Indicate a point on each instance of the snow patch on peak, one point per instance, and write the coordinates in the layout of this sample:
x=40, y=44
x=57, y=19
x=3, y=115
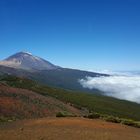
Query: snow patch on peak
x=37, y=58
x=26, y=52
x=25, y=60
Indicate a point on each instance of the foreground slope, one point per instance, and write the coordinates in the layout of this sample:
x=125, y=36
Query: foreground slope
x=67, y=129
x=17, y=103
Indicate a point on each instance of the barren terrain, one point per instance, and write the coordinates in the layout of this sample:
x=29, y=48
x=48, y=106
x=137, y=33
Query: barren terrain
x=67, y=129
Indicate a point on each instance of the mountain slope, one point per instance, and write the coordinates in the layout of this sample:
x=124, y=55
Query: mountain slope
x=27, y=61
x=29, y=66
x=92, y=102
x=22, y=103
x=64, y=78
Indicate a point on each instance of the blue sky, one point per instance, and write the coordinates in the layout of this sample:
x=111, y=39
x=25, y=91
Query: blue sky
x=83, y=34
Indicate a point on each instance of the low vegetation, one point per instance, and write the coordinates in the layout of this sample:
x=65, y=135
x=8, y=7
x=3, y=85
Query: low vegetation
x=86, y=102
x=6, y=119
x=107, y=118
x=24, y=104
x=113, y=119
x=65, y=114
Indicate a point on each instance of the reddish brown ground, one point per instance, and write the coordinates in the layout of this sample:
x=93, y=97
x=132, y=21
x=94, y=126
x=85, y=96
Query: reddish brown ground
x=67, y=129
x=22, y=103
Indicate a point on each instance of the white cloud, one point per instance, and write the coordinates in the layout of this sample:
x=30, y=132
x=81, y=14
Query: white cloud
x=117, y=73
x=122, y=87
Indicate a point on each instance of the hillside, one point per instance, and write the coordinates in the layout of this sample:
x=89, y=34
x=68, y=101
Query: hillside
x=62, y=78
x=92, y=102
x=17, y=103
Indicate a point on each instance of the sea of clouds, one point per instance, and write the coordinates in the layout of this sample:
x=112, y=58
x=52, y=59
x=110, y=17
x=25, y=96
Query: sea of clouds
x=122, y=86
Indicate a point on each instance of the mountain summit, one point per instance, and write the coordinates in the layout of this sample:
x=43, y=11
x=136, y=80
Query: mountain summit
x=25, y=60
x=24, y=64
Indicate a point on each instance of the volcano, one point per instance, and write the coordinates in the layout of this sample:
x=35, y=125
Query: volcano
x=27, y=61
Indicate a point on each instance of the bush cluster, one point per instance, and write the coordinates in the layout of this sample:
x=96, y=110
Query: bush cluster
x=60, y=114
x=65, y=114
x=130, y=123
x=114, y=119
x=6, y=119
x=111, y=119
x=93, y=116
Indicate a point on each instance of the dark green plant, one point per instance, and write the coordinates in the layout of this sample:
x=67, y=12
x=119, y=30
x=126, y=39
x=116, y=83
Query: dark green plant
x=93, y=116
x=130, y=123
x=60, y=114
x=111, y=119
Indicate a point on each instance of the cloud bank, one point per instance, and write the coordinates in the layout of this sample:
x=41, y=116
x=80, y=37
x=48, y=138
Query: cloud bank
x=122, y=87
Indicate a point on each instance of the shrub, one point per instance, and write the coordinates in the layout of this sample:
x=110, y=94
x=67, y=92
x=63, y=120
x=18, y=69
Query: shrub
x=3, y=119
x=130, y=123
x=137, y=124
x=60, y=114
x=65, y=114
x=94, y=116
x=127, y=122
x=6, y=119
x=112, y=119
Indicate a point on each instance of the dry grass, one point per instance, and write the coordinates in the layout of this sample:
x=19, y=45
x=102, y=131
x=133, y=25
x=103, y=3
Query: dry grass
x=22, y=103
x=67, y=129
